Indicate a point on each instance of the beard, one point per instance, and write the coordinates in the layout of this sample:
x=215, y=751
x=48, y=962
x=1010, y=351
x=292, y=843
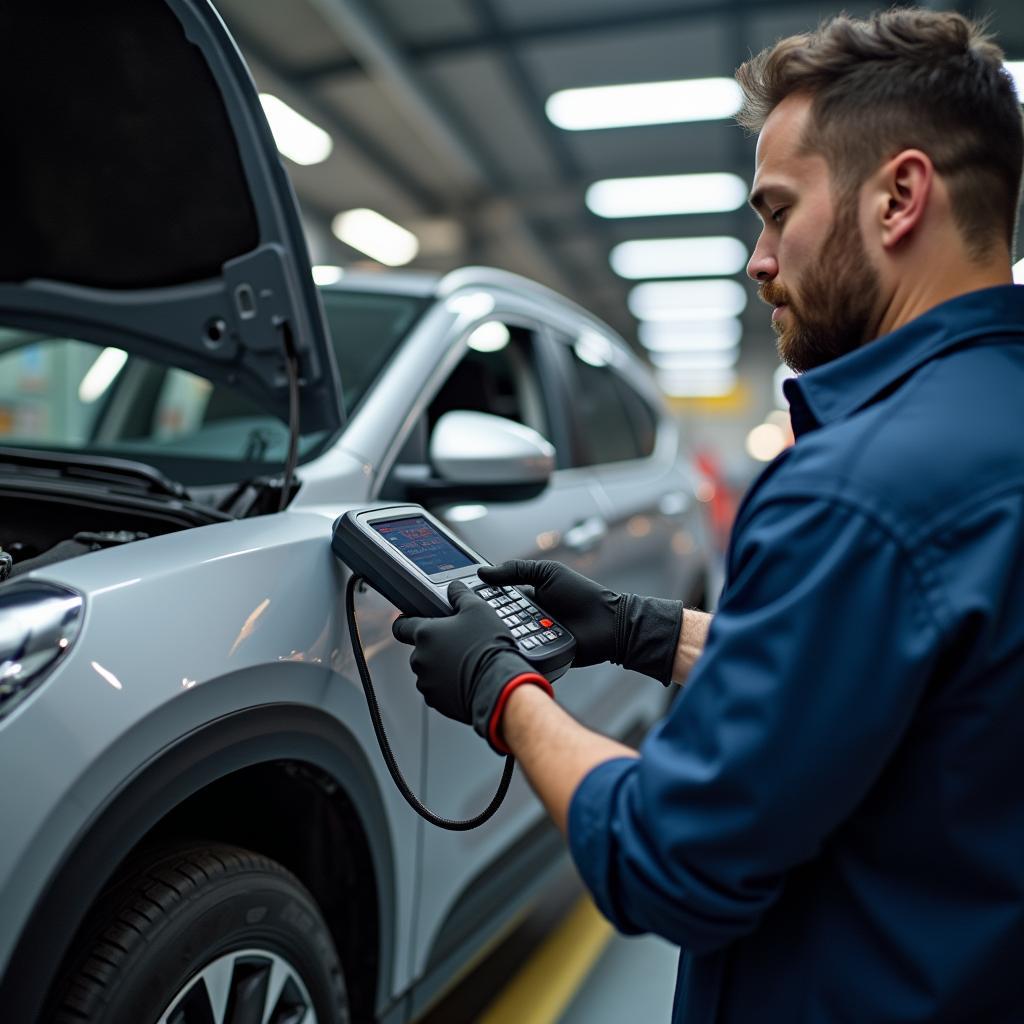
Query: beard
x=839, y=299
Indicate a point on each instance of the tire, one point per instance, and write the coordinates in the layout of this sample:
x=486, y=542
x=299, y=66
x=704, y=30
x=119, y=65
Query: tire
x=205, y=935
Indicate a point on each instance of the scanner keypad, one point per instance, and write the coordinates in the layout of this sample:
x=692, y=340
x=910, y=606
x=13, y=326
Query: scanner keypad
x=528, y=624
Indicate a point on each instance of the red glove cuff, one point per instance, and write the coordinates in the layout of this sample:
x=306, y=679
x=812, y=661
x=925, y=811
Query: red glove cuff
x=534, y=679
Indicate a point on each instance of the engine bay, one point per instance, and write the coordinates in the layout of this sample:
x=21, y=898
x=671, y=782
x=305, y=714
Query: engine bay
x=39, y=530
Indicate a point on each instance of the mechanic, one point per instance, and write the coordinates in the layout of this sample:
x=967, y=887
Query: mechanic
x=830, y=821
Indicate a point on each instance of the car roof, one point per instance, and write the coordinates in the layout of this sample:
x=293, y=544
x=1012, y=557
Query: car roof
x=425, y=284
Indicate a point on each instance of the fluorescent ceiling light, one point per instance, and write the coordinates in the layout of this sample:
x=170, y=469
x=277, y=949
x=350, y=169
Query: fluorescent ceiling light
x=766, y=441
x=713, y=256
x=618, y=106
x=683, y=362
x=690, y=335
x=375, y=235
x=296, y=136
x=781, y=375
x=323, y=274
x=1018, y=272
x=666, y=194
x=713, y=384
x=101, y=374
x=489, y=337
x=687, y=300
x=1016, y=69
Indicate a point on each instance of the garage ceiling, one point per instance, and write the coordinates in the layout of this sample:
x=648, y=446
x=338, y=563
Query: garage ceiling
x=436, y=109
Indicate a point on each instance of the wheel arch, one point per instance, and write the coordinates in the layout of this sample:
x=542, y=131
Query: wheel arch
x=311, y=763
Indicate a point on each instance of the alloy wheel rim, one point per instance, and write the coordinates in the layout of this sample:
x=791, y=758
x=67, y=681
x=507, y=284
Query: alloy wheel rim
x=245, y=985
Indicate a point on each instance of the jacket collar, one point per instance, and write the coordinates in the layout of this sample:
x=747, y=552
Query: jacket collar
x=837, y=389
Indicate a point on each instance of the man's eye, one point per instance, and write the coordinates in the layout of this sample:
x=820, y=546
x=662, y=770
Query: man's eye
x=777, y=214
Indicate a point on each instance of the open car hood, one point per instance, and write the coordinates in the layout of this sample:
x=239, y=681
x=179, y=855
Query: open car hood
x=144, y=202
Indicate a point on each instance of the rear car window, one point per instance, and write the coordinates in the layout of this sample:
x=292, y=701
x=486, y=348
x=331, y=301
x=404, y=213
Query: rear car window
x=616, y=423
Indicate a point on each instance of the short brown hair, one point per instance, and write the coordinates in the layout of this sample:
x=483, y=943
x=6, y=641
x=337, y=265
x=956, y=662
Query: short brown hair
x=904, y=79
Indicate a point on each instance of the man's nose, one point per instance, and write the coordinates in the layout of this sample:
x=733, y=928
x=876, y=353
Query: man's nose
x=762, y=266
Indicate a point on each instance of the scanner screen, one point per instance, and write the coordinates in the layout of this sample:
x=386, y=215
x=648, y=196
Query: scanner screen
x=420, y=542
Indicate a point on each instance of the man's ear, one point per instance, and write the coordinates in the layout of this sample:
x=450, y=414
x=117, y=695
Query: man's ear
x=905, y=189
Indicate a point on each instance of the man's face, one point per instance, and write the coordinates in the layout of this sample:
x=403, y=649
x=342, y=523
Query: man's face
x=810, y=259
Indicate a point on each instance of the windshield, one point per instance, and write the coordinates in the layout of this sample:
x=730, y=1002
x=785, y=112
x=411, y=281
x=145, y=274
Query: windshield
x=67, y=394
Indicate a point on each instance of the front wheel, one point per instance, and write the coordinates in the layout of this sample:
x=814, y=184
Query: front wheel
x=206, y=935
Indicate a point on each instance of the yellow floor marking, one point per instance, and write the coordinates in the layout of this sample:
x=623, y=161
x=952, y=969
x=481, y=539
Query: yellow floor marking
x=547, y=982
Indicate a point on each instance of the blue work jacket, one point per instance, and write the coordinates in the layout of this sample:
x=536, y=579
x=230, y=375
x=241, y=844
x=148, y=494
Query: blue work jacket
x=830, y=821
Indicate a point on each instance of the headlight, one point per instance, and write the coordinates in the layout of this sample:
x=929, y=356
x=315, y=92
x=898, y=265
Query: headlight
x=38, y=624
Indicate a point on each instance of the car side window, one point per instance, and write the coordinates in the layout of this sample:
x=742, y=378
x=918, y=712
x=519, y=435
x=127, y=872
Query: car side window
x=616, y=423
x=497, y=375
x=643, y=418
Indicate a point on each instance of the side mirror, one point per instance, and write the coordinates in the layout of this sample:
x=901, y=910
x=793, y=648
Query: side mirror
x=475, y=447
x=477, y=456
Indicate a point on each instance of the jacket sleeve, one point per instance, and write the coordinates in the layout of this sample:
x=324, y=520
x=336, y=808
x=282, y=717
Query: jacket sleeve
x=813, y=667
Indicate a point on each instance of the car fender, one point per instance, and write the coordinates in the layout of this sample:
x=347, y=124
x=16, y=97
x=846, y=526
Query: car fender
x=181, y=631
x=240, y=739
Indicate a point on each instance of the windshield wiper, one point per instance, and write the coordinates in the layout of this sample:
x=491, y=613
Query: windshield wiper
x=95, y=468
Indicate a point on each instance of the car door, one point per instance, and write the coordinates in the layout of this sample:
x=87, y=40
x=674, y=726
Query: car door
x=630, y=448
x=518, y=381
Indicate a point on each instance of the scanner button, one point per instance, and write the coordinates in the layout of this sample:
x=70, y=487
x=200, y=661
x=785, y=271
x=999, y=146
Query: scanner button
x=549, y=635
x=546, y=623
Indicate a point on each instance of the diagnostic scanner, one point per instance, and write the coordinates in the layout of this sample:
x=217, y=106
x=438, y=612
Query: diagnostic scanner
x=410, y=557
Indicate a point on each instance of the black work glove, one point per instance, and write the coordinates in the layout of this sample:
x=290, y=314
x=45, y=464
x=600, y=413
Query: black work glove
x=639, y=633
x=467, y=664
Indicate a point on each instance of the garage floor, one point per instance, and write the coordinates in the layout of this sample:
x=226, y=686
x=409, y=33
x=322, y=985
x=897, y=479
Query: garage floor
x=564, y=964
x=634, y=979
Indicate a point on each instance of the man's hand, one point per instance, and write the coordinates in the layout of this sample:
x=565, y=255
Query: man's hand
x=585, y=608
x=639, y=633
x=467, y=664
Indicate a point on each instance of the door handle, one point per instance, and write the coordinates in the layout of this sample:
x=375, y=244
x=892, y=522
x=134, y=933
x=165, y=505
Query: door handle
x=585, y=535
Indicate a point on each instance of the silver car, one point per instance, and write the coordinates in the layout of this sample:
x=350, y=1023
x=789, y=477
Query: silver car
x=197, y=825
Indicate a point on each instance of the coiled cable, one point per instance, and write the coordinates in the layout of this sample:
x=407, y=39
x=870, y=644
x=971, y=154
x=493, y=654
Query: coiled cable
x=452, y=824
